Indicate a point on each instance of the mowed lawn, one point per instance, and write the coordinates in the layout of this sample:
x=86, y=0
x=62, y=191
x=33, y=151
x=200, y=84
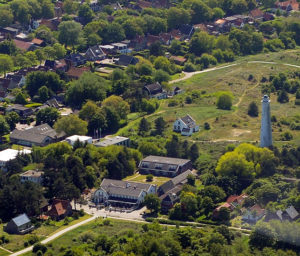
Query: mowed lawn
x=16, y=242
x=3, y=252
x=142, y=178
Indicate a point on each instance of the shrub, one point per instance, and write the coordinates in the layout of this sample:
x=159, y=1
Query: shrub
x=173, y=103
x=273, y=119
x=32, y=239
x=149, y=178
x=206, y=126
x=188, y=100
x=286, y=136
x=189, y=67
x=283, y=97
x=253, y=109
x=106, y=222
x=39, y=247
x=224, y=101
x=297, y=102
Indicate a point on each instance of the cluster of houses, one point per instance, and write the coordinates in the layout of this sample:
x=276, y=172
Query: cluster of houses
x=131, y=194
x=255, y=212
x=58, y=209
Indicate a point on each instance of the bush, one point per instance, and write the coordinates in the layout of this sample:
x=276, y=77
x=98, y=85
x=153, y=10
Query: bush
x=283, y=97
x=173, y=103
x=149, y=178
x=253, y=109
x=188, y=100
x=39, y=247
x=106, y=222
x=286, y=136
x=206, y=126
x=224, y=101
x=32, y=239
x=297, y=102
x=273, y=119
x=189, y=67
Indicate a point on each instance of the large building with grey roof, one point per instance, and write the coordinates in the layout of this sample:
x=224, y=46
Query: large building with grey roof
x=164, y=166
x=122, y=193
x=19, y=225
x=40, y=135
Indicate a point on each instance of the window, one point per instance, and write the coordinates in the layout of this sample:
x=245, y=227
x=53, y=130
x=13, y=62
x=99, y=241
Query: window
x=172, y=167
x=158, y=166
x=145, y=164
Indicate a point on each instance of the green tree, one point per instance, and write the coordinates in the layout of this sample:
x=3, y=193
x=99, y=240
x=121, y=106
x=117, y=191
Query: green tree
x=43, y=93
x=4, y=127
x=35, y=80
x=59, y=51
x=118, y=104
x=144, y=126
x=6, y=64
x=88, y=110
x=224, y=101
x=200, y=11
x=283, y=97
x=160, y=125
x=112, y=32
x=21, y=11
x=12, y=118
x=194, y=152
x=201, y=43
x=20, y=98
x=161, y=76
x=85, y=13
x=253, y=109
x=69, y=33
x=47, y=115
x=149, y=148
x=71, y=125
x=176, y=17
x=152, y=202
x=235, y=164
x=6, y=16
x=88, y=87
x=47, y=11
x=263, y=236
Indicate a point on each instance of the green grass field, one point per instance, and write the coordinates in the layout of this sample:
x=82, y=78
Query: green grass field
x=95, y=228
x=234, y=125
x=142, y=178
x=3, y=252
x=16, y=242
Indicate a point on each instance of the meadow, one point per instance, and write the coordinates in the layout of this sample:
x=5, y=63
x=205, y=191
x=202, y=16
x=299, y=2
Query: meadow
x=236, y=125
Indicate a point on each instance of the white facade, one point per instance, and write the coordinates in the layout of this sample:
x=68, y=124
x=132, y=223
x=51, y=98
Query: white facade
x=83, y=139
x=266, y=126
x=186, y=129
x=33, y=176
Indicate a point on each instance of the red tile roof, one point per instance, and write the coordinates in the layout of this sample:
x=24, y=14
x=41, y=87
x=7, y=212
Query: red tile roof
x=257, y=13
x=77, y=72
x=37, y=41
x=24, y=46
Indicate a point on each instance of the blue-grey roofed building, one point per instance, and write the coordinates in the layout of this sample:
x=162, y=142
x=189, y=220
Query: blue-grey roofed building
x=19, y=225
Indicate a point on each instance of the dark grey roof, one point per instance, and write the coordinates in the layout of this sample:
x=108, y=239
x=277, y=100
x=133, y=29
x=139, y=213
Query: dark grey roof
x=21, y=219
x=179, y=179
x=186, y=29
x=52, y=103
x=94, y=52
x=120, y=187
x=188, y=120
x=165, y=160
x=35, y=134
x=125, y=60
x=17, y=107
x=153, y=88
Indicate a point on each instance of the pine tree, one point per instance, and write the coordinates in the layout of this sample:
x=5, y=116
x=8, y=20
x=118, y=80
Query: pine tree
x=253, y=109
x=194, y=152
x=144, y=126
x=160, y=125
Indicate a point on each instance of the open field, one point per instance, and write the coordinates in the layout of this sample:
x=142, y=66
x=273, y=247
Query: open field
x=142, y=178
x=16, y=242
x=234, y=125
x=95, y=228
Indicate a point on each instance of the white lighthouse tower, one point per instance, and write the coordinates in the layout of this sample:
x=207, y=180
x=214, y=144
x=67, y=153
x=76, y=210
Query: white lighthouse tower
x=266, y=127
